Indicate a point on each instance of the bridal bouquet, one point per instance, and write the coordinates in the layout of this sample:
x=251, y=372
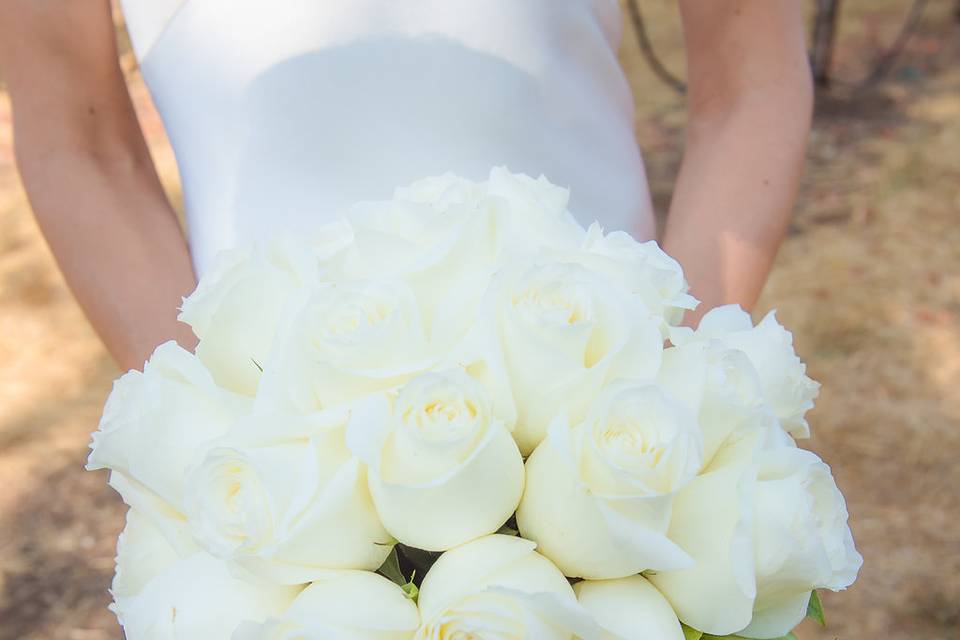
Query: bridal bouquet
x=458, y=414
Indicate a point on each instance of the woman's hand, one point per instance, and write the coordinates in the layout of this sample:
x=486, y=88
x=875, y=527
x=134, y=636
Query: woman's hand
x=750, y=103
x=89, y=176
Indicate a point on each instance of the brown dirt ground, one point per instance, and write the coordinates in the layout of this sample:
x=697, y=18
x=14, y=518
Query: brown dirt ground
x=869, y=280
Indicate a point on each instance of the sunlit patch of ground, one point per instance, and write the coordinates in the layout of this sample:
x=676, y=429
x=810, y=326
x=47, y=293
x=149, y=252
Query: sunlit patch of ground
x=869, y=280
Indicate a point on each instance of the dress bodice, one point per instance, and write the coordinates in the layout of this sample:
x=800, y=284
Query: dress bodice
x=283, y=113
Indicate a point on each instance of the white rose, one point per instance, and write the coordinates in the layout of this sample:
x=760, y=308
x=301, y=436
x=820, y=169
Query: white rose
x=565, y=332
x=396, y=238
x=289, y=507
x=153, y=424
x=786, y=387
x=328, y=242
x=237, y=307
x=531, y=197
x=443, y=193
x=629, y=609
x=531, y=213
x=442, y=469
x=514, y=211
x=347, y=605
x=445, y=255
x=537, y=211
x=801, y=537
x=197, y=597
x=719, y=384
x=499, y=587
x=641, y=268
x=765, y=530
x=711, y=521
x=160, y=594
x=598, y=497
x=348, y=340
x=142, y=553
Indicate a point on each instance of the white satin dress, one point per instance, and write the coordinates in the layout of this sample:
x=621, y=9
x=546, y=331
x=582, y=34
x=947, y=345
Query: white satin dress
x=282, y=113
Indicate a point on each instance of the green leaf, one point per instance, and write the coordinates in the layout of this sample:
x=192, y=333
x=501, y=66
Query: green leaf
x=410, y=589
x=390, y=568
x=689, y=633
x=815, y=609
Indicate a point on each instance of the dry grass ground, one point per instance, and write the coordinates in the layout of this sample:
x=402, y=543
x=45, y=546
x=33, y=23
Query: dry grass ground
x=869, y=279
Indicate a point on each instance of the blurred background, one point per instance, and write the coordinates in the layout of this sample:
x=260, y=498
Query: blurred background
x=868, y=279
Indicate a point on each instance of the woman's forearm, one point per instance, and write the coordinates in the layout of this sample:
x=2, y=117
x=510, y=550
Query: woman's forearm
x=750, y=100
x=89, y=176
x=119, y=246
x=734, y=197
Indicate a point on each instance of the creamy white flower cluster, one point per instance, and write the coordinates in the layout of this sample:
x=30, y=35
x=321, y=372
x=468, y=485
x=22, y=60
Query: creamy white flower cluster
x=431, y=366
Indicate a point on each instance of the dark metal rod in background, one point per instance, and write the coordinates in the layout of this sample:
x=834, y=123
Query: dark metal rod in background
x=646, y=47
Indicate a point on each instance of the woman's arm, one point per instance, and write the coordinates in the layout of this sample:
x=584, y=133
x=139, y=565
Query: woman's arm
x=750, y=102
x=89, y=176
